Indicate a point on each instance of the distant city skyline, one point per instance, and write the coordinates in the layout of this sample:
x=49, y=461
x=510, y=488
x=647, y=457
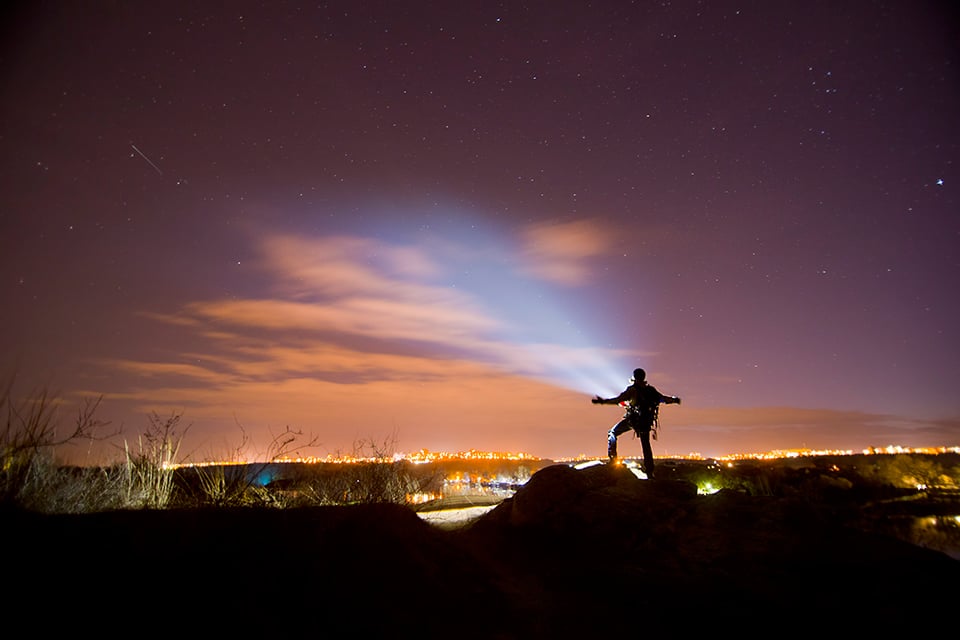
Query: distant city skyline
x=492, y=456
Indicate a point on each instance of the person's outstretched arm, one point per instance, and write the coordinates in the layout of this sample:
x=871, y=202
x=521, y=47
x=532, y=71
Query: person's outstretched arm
x=620, y=398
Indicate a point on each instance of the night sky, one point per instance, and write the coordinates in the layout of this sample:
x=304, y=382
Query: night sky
x=448, y=225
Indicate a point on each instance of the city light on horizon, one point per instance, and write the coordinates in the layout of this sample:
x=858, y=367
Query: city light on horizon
x=426, y=457
x=472, y=475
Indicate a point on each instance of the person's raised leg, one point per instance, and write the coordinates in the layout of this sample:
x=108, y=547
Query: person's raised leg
x=612, y=445
x=612, y=435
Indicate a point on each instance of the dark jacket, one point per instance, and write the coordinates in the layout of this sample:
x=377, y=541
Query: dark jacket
x=642, y=402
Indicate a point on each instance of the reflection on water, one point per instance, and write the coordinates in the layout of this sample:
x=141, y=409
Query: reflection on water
x=941, y=533
x=489, y=482
x=486, y=492
x=937, y=532
x=493, y=489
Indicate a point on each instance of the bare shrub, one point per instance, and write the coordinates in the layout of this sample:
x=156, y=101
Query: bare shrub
x=227, y=485
x=52, y=488
x=29, y=436
x=378, y=478
x=239, y=485
x=149, y=471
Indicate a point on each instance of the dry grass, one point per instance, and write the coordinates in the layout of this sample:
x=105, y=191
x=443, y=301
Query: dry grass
x=147, y=477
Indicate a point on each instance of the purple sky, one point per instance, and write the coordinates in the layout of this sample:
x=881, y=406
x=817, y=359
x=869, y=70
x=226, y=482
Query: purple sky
x=450, y=224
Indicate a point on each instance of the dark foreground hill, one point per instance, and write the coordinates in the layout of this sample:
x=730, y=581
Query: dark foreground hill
x=575, y=553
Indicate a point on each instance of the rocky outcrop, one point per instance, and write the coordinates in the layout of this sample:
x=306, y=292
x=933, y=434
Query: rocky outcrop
x=617, y=553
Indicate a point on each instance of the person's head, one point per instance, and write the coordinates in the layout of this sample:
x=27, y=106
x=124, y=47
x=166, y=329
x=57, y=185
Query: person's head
x=639, y=375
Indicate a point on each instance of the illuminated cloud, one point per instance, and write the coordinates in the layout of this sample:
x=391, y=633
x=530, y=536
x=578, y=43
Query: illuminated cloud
x=561, y=252
x=348, y=322
x=382, y=319
x=346, y=266
x=371, y=297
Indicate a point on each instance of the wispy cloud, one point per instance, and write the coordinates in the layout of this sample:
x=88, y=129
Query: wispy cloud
x=346, y=266
x=346, y=300
x=383, y=319
x=561, y=252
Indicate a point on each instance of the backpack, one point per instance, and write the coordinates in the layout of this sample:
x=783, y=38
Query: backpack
x=644, y=410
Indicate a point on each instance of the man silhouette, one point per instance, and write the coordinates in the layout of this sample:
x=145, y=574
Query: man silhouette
x=642, y=402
